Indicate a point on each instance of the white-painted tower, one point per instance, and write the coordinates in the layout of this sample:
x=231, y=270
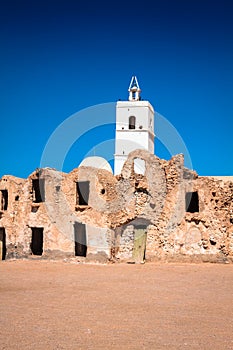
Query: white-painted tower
x=134, y=127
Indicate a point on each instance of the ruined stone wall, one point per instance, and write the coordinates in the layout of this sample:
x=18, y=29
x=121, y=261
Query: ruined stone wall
x=117, y=205
x=12, y=214
x=204, y=235
x=173, y=233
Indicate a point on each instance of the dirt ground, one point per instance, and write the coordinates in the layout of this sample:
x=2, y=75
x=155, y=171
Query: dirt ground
x=61, y=305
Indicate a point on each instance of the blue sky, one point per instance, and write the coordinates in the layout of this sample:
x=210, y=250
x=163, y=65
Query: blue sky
x=59, y=57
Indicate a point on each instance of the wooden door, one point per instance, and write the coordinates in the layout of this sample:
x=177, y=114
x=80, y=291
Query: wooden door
x=139, y=248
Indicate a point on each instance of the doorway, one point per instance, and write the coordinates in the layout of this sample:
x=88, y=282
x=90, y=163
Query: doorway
x=2, y=243
x=37, y=240
x=139, y=248
x=80, y=239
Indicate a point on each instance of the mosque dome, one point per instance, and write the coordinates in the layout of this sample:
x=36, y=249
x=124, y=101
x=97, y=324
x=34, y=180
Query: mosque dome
x=96, y=162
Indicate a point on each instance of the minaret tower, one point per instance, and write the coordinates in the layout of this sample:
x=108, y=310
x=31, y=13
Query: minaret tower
x=134, y=127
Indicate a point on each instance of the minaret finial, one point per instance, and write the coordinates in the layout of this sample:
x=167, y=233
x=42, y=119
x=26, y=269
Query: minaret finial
x=134, y=89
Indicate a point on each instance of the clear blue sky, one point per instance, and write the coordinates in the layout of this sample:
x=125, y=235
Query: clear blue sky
x=60, y=56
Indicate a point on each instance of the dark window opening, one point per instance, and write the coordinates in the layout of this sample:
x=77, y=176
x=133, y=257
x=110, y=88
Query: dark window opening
x=37, y=240
x=38, y=190
x=192, y=202
x=34, y=208
x=2, y=243
x=16, y=198
x=212, y=242
x=80, y=239
x=141, y=190
x=132, y=122
x=3, y=199
x=83, y=189
x=102, y=191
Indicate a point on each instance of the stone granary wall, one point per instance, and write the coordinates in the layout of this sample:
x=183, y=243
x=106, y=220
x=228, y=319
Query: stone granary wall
x=166, y=212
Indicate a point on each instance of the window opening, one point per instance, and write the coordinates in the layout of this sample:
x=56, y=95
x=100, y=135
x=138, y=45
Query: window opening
x=139, y=166
x=83, y=189
x=192, y=202
x=132, y=122
x=3, y=199
x=38, y=190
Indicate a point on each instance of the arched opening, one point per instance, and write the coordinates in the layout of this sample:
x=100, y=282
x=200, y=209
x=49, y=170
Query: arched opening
x=132, y=122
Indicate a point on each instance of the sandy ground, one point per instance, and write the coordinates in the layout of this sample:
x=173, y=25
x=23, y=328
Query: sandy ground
x=58, y=305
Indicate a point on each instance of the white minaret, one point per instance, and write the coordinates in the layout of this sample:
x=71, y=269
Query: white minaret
x=134, y=127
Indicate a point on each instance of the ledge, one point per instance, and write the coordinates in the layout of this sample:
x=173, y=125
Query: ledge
x=81, y=207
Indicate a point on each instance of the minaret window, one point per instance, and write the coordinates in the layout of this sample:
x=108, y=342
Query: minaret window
x=132, y=122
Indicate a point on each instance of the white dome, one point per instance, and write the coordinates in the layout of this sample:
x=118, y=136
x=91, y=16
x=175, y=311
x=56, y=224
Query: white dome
x=96, y=162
